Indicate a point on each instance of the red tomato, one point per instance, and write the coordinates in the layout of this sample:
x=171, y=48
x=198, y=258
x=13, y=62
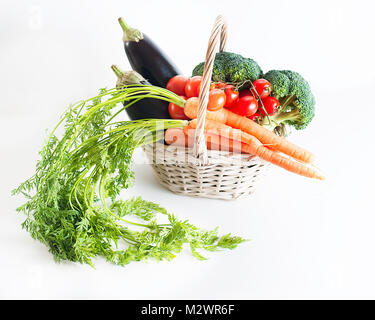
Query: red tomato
x=216, y=100
x=245, y=106
x=212, y=86
x=176, y=112
x=255, y=116
x=192, y=85
x=231, y=95
x=219, y=85
x=271, y=105
x=245, y=92
x=261, y=88
x=177, y=84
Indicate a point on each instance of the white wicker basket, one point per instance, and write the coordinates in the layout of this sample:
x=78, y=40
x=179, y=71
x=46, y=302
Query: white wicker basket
x=200, y=172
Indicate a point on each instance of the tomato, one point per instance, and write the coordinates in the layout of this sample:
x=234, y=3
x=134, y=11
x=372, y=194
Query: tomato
x=271, y=105
x=212, y=86
x=192, y=85
x=255, y=116
x=176, y=112
x=177, y=84
x=219, y=85
x=216, y=99
x=245, y=106
x=231, y=95
x=261, y=88
x=244, y=93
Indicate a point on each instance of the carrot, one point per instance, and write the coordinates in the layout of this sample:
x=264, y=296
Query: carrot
x=223, y=130
x=180, y=138
x=176, y=137
x=252, y=145
x=215, y=141
x=265, y=136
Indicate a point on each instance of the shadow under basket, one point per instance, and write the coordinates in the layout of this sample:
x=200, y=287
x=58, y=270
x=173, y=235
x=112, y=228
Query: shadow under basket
x=226, y=175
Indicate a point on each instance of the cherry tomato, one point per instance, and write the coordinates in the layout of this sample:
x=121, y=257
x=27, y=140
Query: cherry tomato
x=216, y=99
x=176, y=112
x=261, y=88
x=177, y=84
x=245, y=106
x=212, y=86
x=231, y=95
x=271, y=105
x=255, y=116
x=192, y=85
x=219, y=85
x=245, y=92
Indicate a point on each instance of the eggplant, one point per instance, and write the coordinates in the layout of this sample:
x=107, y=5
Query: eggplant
x=146, y=58
x=146, y=108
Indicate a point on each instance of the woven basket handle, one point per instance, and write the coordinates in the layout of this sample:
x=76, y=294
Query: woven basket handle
x=219, y=32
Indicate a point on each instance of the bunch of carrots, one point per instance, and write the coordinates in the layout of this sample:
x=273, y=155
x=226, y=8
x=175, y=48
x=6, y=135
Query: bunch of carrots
x=226, y=130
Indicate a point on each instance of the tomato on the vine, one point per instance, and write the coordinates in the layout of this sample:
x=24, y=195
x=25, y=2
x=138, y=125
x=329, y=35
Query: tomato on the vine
x=219, y=85
x=176, y=112
x=177, y=84
x=192, y=86
x=271, y=105
x=212, y=86
x=255, y=116
x=216, y=99
x=245, y=92
x=231, y=95
x=217, y=89
x=245, y=106
x=261, y=88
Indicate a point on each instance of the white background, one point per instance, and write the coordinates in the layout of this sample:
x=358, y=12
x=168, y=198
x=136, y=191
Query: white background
x=310, y=239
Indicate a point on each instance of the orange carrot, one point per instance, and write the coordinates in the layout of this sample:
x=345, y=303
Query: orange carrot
x=176, y=137
x=252, y=145
x=216, y=142
x=264, y=135
x=180, y=138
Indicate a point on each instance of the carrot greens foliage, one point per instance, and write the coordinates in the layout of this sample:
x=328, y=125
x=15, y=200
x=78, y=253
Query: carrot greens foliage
x=73, y=204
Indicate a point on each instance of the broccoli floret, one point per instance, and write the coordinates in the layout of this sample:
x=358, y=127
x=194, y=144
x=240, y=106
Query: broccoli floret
x=279, y=81
x=297, y=84
x=297, y=106
x=231, y=67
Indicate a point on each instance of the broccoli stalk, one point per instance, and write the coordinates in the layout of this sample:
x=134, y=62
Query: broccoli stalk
x=287, y=116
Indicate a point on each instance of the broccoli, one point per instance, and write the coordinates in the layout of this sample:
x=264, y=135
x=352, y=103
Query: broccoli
x=279, y=81
x=297, y=103
x=231, y=67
